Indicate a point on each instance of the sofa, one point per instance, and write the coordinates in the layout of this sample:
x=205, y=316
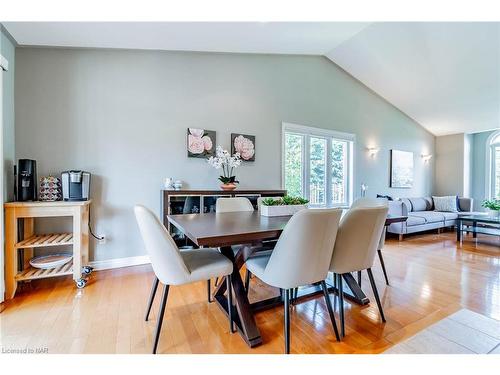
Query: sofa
x=423, y=217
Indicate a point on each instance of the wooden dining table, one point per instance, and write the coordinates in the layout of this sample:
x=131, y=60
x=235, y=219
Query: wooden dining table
x=224, y=230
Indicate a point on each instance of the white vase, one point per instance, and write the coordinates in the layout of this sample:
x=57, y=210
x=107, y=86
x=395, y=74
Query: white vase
x=493, y=213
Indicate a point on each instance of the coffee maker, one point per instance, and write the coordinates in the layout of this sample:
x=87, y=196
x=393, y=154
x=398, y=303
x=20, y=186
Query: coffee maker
x=26, y=181
x=75, y=185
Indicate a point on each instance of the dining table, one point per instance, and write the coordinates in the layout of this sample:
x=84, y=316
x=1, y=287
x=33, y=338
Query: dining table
x=252, y=232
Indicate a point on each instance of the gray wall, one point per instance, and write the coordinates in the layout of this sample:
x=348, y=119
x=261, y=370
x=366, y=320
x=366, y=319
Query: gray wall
x=123, y=116
x=7, y=49
x=450, y=165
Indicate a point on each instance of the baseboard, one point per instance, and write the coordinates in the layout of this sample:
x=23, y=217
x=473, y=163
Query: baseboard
x=119, y=262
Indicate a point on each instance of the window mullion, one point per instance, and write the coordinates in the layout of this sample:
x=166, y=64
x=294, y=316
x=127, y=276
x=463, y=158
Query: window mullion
x=328, y=172
x=306, y=166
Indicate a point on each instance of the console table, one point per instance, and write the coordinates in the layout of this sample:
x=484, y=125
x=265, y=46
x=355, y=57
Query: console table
x=175, y=202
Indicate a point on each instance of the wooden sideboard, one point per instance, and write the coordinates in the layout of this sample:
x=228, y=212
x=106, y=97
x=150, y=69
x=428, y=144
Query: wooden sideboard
x=202, y=201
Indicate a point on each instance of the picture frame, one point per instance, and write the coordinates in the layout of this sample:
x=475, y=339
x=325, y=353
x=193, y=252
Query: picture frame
x=244, y=144
x=402, y=169
x=201, y=143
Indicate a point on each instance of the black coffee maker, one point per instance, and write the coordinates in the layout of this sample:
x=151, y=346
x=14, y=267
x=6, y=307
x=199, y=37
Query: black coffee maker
x=26, y=181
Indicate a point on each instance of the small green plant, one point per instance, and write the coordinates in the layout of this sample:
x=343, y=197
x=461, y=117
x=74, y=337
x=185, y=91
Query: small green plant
x=284, y=201
x=492, y=204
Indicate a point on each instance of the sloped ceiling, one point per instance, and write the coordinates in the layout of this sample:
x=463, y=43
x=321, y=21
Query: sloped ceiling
x=446, y=76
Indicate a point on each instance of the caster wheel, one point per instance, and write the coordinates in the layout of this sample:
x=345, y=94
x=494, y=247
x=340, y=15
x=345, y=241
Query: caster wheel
x=87, y=270
x=80, y=284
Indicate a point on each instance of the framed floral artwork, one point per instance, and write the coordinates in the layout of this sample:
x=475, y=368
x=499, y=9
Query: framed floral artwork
x=200, y=143
x=244, y=144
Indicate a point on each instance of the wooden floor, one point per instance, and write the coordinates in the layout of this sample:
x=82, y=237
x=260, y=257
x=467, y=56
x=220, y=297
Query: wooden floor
x=430, y=279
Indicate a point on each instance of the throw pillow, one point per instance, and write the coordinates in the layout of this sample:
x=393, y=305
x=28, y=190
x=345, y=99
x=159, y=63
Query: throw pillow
x=445, y=204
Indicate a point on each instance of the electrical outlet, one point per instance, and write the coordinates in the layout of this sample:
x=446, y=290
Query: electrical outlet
x=103, y=240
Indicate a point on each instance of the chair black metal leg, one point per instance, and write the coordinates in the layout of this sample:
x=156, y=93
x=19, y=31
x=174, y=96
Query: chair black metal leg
x=163, y=304
x=381, y=258
x=209, y=292
x=375, y=292
x=151, y=297
x=341, y=305
x=288, y=292
x=216, y=284
x=248, y=274
x=330, y=309
x=230, y=303
x=359, y=278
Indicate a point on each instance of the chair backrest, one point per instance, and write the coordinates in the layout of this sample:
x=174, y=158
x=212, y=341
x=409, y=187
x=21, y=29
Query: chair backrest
x=163, y=252
x=304, y=249
x=359, y=236
x=233, y=205
x=370, y=202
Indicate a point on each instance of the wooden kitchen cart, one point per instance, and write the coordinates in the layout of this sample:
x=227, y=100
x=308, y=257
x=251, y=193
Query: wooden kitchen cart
x=17, y=267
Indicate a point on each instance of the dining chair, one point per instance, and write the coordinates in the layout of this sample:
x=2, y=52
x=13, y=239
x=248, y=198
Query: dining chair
x=357, y=241
x=375, y=202
x=301, y=257
x=238, y=204
x=172, y=266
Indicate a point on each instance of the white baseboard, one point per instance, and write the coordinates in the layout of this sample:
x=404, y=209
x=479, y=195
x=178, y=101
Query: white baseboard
x=119, y=262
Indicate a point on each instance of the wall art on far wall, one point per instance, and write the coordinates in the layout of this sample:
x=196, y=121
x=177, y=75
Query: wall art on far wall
x=200, y=143
x=244, y=144
x=401, y=169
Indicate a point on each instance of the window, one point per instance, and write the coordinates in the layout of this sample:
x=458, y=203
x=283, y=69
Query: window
x=318, y=164
x=494, y=165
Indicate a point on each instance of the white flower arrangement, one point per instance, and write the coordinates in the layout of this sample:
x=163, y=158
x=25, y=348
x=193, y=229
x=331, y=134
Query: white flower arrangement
x=227, y=162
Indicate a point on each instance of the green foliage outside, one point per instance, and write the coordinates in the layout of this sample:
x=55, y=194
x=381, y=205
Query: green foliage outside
x=293, y=168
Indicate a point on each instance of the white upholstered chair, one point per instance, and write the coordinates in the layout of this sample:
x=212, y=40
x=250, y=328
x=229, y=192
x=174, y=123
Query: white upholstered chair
x=374, y=202
x=357, y=241
x=238, y=204
x=301, y=257
x=174, y=267
x=233, y=205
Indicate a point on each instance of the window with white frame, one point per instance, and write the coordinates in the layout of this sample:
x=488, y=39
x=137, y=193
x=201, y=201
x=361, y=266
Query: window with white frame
x=317, y=164
x=494, y=167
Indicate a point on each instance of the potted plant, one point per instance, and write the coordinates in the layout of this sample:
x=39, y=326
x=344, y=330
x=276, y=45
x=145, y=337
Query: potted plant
x=227, y=162
x=493, y=206
x=285, y=206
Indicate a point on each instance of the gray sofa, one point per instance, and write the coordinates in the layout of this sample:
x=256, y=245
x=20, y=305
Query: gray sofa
x=422, y=216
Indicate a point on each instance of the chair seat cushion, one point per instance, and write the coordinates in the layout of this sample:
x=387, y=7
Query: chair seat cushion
x=429, y=216
x=206, y=263
x=257, y=264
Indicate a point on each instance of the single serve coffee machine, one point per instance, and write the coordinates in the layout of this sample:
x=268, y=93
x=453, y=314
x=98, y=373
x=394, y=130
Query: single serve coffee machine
x=75, y=185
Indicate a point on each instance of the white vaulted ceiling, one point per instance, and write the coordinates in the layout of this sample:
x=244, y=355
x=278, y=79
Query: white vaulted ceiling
x=310, y=38
x=446, y=76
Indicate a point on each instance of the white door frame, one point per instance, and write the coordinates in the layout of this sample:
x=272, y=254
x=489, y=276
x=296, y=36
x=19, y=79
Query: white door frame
x=4, y=66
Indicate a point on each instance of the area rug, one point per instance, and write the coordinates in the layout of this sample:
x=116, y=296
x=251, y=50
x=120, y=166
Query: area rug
x=464, y=332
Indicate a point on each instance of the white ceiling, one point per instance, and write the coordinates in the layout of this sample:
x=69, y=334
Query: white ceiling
x=446, y=76
x=310, y=38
